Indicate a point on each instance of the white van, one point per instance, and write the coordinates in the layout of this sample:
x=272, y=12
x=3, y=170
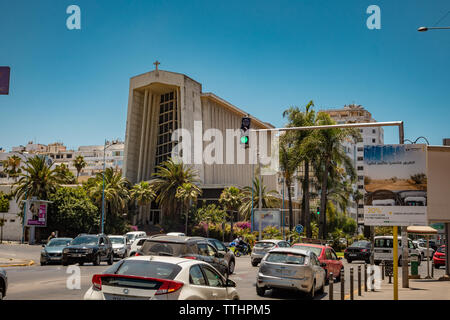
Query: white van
x=383, y=202
x=133, y=235
x=384, y=249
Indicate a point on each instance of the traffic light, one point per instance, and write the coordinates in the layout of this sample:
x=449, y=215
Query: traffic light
x=245, y=131
x=318, y=210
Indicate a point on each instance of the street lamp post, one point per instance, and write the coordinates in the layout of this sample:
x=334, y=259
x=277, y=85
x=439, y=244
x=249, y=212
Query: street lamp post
x=423, y=29
x=106, y=146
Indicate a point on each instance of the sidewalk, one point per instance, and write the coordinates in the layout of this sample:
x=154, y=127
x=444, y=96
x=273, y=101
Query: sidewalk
x=11, y=262
x=420, y=289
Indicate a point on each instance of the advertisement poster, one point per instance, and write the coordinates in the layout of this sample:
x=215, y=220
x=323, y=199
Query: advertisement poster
x=269, y=217
x=37, y=214
x=395, y=181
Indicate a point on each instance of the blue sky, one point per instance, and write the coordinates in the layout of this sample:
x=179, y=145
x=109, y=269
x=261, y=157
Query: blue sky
x=262, y=56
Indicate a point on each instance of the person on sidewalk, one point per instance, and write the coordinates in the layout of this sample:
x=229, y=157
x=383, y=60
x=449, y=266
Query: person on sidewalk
x=52, y=235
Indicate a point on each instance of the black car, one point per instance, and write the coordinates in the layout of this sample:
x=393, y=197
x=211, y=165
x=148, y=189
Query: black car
x=87, y=248
x=185, y=247
x=229, y=255
x=359, y=250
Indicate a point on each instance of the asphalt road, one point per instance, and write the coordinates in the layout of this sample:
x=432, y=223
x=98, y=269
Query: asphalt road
x=50, y=282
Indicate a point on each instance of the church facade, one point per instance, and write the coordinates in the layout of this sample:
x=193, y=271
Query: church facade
x=161, y=102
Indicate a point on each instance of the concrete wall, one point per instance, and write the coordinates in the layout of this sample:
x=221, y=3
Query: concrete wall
x=12, y=230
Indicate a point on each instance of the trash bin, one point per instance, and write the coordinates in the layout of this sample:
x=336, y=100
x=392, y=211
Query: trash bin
x=414, y=265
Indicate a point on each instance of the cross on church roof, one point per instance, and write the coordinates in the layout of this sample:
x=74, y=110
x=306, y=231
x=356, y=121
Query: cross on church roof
x=156, y=63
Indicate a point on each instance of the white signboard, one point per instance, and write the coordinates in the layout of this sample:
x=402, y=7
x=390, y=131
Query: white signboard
x=268, y=217
x=395, y=181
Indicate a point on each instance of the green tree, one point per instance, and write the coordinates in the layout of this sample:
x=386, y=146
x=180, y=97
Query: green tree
x=11, y=166
x=65, y=174
x=72, y=212
x=4, y=207
x=270, y=199
x=169, y=176
x=187, y=193
x=231, y=200
x=209, y=214
x=117, y=196
x=38, y=179
x=142, y=193
x=79, y=164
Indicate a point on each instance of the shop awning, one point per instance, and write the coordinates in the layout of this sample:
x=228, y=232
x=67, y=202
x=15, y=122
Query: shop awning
x=421, y=230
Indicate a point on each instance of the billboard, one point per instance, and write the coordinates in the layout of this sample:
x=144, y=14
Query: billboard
x=268, y=217
x=36, y=213
x=395, y=181
x=4, y=80
x=438, y=161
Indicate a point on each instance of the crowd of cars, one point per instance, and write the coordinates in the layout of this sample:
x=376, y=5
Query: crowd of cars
x=174, y=266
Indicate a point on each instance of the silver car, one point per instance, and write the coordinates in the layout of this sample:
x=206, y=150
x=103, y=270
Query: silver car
x=262, y=247
x=121, y=246
x=291, y=269
x=3, y=283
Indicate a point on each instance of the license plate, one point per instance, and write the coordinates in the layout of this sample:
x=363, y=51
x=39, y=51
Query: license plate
x=76, y=255
x=352, y=254
x=54, y=258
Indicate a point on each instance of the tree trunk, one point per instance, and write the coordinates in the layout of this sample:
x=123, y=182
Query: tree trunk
x=307, y=209
x=323, y=201
x=231, y=220
x=291, y=213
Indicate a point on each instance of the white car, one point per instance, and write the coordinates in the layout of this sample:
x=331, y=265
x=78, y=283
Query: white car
x=137, y=245
x=161, y=278
x=121, y=246
x=133, y=235
x=422, y=247
x=384, y=250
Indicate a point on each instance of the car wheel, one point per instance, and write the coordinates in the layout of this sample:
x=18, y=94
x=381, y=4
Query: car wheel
x=254, y=263
x=260, y=291
x=65, y=264
x=436, y=266
x=1, y=291
x=310, y=294
x=111, y=259
x=43, y=263
x=231, y=267
x=81, y=263
x=349, y=260
x=97, y=260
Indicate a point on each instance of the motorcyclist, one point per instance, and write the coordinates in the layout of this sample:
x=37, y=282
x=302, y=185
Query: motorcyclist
x=240, y=244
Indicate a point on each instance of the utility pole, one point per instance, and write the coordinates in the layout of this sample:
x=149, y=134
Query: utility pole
x=260, y=195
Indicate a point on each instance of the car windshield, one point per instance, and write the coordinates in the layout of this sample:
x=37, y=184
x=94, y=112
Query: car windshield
x=441, y=250
x=152, y=247
x=316, y=250
x=286, y=257
x=148, y=269
x=131, y=236
x=264, y=245
x=361, y=244
x=89, y=240
x=58, y=242
x=117, y=240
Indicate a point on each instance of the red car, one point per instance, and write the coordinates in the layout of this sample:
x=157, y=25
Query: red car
x=326, y=255
x=439, y=257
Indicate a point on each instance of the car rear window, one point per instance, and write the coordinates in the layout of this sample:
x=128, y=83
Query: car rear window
x=154, y=247
x=286, y=257
x=149, y=269
x=361, y=244
x=316, y=250
x=264, y=245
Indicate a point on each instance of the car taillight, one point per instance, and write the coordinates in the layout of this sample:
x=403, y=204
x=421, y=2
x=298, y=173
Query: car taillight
x=97, y=281
x=169, y=286
x=346, y=250
x=364, y=250
x=137, y=254
x=190, y=257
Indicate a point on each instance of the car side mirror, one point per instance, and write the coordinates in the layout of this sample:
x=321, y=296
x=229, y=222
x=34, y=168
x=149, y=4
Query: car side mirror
x=231, y=283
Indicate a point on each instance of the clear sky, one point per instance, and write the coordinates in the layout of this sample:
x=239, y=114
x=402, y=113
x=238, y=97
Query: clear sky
x=262, y=56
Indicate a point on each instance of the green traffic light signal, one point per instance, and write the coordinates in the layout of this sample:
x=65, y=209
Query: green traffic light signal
x=244, y=139
x=318, y=210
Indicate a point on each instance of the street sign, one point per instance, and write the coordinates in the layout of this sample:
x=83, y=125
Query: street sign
x=299, y=228
x=4, y=80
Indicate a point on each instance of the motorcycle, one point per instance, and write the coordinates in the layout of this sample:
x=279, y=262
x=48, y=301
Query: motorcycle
x=239, y=250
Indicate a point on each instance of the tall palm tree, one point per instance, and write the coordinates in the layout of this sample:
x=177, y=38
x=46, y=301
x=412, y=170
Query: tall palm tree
x=79, y=164
x=64, y=173
x=187, y=193
x=11, y=166
x=231, y=200
x=270, y=199
x=37, y=179
x=327, y=143
x=116, y=193
x=299, y=118
x=142, y=193
x=168, y=177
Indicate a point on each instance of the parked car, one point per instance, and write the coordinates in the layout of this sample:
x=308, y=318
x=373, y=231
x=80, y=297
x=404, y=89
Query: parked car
x=161, y=278
x=384, y=250
x=196, y=248
x=262, y=247
x=327, y=258
x=290, y=269
x=3, y=283
x=121, y=246
x=229, y=255
x=424, y=253
x=87, y=248
x=133, y=235
x=439, y=257
x=136, y=246
x=52, y=252
x=358, y=250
